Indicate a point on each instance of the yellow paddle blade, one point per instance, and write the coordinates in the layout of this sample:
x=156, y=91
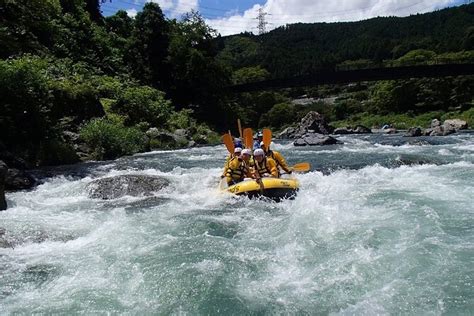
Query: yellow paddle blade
x=248, y=138
x=267, y=138
x=228, y=142
x=302, y=167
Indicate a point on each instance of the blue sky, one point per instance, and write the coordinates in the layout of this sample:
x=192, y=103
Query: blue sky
x=235, y=16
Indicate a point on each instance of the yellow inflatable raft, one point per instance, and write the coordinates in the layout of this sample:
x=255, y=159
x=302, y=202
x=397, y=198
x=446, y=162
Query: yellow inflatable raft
x=273, y=188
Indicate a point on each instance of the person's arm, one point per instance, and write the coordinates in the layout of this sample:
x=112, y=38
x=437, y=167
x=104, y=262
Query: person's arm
x=282, y=162
x=272, y=167
x=226, y=166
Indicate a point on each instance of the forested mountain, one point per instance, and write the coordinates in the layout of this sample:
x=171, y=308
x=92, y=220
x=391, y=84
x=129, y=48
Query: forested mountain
x=75, y=84
x=297, y=49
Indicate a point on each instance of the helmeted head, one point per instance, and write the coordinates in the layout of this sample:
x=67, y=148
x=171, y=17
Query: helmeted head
x=237, y=142
x=259, y=154
x=246, y=154
x=260, y=136
x=237, y=151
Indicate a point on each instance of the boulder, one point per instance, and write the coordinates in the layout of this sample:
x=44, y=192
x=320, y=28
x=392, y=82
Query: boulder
x=315, y=122
x=18, y=180
x=413, y=132
x=153, y=133
x=13, y=161
x=287, y=133
x=390, y=130
x=3, y=174
x=435, y=123
x=440, y=131
x=360, y=129
x=343, y=131
x=299, y=142
x=132, y=185
x=314, y=139
x=455, y=124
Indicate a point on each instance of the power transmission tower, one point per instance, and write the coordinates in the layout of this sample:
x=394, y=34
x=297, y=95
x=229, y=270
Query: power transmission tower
x=261, y=21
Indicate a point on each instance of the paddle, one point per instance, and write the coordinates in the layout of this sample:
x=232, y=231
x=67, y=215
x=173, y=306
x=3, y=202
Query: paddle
x=267, y=138
x=229, y=143
x=248, y=138
x=301, y=167
x=240, y=127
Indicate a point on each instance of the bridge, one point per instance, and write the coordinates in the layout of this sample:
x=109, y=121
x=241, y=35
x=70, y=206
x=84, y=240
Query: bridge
x=347, y=76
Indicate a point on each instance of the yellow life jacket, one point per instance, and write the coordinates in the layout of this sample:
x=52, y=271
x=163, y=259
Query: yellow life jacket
x=267, y=165
x=237, y=170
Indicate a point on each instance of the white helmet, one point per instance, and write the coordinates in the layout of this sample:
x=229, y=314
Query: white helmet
x=237, y=150
x=258, y=152
x=246, y=151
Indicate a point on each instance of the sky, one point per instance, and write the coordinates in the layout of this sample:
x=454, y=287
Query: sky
x=236, y=16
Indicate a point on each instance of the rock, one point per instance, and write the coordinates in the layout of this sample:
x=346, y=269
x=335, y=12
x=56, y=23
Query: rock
x=181, y=133
x=299, y=142
x=413, y=132
x=201, y=139
x=153, y=133
x=70, y=137
x=191, y=144
x=455, y=124
x=435, y=123
x=12, y=160
x=316, y=140
x=287, y=133
x=18, y=180
x=390, y=130
x=316, y=122
x=410, y=160
x=360, y=129
x=133, y=185
x=441, y=131
x=342, y=131
x=3, y=174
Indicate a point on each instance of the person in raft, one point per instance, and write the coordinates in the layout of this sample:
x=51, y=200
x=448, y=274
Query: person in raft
x=236, y=154
x=239, y=168
x=257, y=140
x=265, y=166
x=275, y=155
x=238, y=142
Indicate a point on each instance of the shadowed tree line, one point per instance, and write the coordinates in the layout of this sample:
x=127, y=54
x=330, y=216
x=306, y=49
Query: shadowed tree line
x=69, y=76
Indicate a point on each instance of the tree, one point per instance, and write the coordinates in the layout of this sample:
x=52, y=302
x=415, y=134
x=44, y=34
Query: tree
x=149, y=46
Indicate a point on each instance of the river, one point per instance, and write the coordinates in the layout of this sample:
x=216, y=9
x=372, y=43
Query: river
x=386, y=228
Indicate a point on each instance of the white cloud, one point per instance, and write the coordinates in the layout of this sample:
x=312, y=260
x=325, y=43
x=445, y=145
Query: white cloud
x=132, y=13
x=164, y=4
x=176, y=8
x=186, y=6
x=281, y=12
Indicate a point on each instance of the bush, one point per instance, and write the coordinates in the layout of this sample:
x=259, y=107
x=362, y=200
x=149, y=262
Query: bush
x=281, y=114
x=181, y=119
x=25, y=103
x=110, y=139
x=143, y=104
x=55, y=152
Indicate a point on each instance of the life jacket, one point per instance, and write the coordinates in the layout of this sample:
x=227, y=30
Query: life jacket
x=267, y=165
x=237, y=174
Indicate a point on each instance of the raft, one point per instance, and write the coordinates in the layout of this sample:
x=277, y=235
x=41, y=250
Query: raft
x=273, y=188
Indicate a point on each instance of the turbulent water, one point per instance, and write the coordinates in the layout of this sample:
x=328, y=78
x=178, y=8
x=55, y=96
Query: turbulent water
x=384, y=227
